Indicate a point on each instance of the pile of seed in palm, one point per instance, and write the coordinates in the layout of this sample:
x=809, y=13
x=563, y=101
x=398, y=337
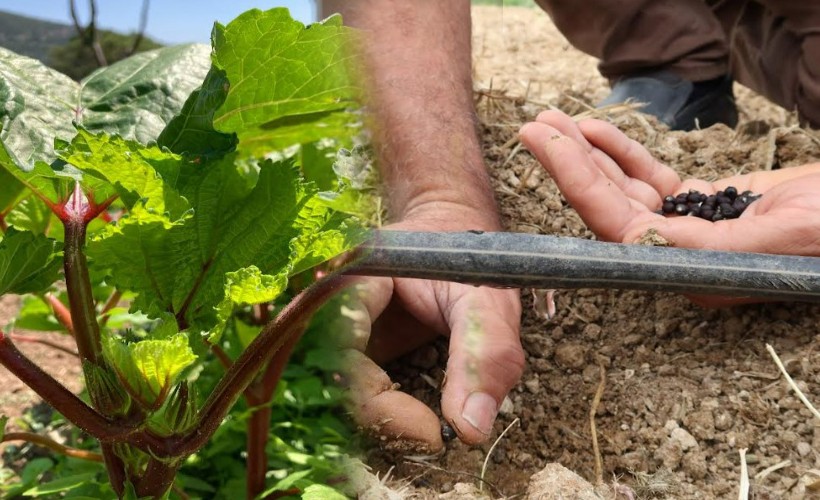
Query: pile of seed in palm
x=726, y=204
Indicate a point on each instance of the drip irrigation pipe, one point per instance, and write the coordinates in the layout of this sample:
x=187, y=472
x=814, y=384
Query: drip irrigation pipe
x=534, y=261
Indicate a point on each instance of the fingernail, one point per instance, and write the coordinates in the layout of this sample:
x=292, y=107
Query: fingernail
x=479, y=411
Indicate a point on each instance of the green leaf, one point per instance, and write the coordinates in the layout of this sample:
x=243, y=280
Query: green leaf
x=39, y=106
x=3, y=421
x=134, y=98
x=31, y=214
x=36, y=314
x=59, y=485
x=148, y=368
x=247, y=286
x=321, y=492
x=277, y=225
x=28, y=262
x=274, y=83
x=138, y=96
x=139, y=173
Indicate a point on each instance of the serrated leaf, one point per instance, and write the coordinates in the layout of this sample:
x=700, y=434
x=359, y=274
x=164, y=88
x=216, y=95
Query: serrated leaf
x=247, y=286
x=139, y=173
x=28, y=262
x=274, y=83
x=148, y=368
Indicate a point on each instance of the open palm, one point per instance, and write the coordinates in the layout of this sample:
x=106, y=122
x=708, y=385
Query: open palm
x=617, y=187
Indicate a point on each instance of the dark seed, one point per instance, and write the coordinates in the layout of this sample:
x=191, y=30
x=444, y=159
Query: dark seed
x=682, y=198
x=739, y=205
x=447, y=432
x=693, y=197
x=731, y=192
x=669, y=199
x=694, y=210
x=710, y=201
x=706, y=213
x=681, y=209
x=668, y=207
x=725, y=207
x=718, y=216
x=723, y=199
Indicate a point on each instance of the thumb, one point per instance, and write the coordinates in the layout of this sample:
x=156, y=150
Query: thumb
x=486, y=359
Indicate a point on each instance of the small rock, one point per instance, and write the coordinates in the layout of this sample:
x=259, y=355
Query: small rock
x=533, y=385
x=723, y=421
x=694, y=464
x=592, y=331
x=556, y=482
x=670, y=454
x=634, y=339
x=670, y=425
x=682, y=437
x=803, y=448
x=464, y=491
x=571, y=355
x=701, y=424
x=507, y=407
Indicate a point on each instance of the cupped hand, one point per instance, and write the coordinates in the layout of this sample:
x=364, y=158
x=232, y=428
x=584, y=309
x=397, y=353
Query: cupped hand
x=617, y=187
x=485, y=355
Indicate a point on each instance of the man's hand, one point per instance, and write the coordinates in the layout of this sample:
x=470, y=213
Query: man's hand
x=617, y=187
x=485, y=355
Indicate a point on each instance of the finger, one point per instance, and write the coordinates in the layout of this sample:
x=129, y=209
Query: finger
x=397, y=420
x=614, y=168
x=486, y=359
x=604, y=207
x=633, y=158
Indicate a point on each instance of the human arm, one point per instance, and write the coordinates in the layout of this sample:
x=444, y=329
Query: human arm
x=417, y=64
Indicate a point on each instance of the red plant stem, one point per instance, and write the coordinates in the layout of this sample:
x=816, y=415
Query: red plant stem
x=115, y=468
x=156, y=480
x=257, y=441
x=3, y=224
x=36, y=340
x=55, y=394
x=80, y=297
x=61, y=312
x=261, y=391
x=37, y=439
x=274, y=335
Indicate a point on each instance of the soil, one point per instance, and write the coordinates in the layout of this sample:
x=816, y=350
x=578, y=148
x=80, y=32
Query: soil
x=686, y=388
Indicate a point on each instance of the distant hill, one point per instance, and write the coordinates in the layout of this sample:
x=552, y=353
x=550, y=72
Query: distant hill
x=58, y=46
x=32, y=37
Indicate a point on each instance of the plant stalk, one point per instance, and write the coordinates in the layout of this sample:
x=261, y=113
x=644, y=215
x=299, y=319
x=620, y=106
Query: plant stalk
x=287, y=324
x=80, y=296
x=259, y=395
x=60, y=398
x=46, y=442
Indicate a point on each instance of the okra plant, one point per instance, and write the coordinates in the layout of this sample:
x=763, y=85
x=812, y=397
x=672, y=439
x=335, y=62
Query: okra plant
x=190, y=189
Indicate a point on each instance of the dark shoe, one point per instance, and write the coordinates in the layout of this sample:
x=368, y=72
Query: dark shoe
x=679, y=103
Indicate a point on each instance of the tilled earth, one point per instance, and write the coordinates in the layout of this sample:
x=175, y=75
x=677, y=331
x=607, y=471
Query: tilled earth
x=686, y=387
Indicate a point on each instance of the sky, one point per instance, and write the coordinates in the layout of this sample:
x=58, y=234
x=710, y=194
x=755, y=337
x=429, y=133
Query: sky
x=169, y=21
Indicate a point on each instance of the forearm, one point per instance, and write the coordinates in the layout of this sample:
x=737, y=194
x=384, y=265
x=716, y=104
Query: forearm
x=417, y=69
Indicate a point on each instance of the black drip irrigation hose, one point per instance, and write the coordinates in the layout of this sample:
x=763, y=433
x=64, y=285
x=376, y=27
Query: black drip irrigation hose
x=549, y=262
